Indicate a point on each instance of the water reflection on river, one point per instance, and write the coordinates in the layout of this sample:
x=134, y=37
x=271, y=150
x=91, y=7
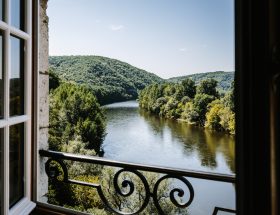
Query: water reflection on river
x=136, y=136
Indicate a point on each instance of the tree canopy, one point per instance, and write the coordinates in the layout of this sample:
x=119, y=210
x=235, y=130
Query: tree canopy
x=196, y=104
x=75, y=115
x=224, y=79
x=110, y=80
x=208, y=87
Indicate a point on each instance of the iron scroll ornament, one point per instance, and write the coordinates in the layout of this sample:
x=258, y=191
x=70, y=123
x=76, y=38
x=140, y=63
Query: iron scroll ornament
x=179, y=191
x=57, y=171
x=53, y=171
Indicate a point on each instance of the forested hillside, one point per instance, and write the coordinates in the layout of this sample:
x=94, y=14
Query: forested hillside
x=224, y=79
x=113, y=81
x=110, y=80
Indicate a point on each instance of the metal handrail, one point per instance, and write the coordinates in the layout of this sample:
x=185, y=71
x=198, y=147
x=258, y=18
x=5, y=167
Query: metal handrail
x=165, y=173
x=230, y=178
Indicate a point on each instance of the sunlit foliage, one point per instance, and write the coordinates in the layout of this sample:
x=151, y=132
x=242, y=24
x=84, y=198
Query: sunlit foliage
x=200, y=104
x=75, y=115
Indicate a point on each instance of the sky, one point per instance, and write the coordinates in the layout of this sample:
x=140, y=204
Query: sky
x=166, y=37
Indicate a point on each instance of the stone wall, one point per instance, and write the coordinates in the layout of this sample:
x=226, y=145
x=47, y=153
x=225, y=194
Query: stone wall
x=43, y=94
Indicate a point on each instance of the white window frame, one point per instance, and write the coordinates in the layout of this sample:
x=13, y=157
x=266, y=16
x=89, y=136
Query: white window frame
x=25, y=205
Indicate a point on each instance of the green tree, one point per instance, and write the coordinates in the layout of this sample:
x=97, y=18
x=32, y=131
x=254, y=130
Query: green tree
x=160, y=102
x=220, y=117
x=54, y=80
x=179, y=92
x=208, y=87
x=213, y=119
x=74, y=113
x=185, y=99
x=228, y=99
x=189, y=114
x=189, y=88
x=200, y=104
x=169, y=109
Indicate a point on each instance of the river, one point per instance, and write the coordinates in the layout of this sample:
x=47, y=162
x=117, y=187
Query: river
x=136, y=136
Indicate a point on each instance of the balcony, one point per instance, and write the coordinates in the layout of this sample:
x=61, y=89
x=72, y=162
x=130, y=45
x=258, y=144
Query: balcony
x=130, y=180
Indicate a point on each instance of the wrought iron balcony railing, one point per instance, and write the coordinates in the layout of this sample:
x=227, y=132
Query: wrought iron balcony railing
x=59, y=172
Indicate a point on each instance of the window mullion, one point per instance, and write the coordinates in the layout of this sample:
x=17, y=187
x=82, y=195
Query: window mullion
x=28, y=17
x=5, y=209
x=27, y=99
x=19, y=33
x=6, y=59
x=7, y=11
x=6, y=149
x=27, y=107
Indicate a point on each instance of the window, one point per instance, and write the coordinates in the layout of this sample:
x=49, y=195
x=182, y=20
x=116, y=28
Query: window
x=254, y=159
x=15, y=106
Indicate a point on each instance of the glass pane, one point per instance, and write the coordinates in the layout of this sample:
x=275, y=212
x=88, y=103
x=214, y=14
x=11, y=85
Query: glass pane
x=17, y=77
x=1, y=79
x=17, y=10
x=1, y=9
x=16, y=163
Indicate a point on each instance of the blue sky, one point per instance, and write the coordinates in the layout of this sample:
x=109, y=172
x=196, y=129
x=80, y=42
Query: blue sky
x=167, y=37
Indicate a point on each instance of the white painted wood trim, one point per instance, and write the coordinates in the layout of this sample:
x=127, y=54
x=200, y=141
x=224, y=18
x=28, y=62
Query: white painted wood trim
x=14, y=120
x=14, y=31
x=6, y=53
x=24, y=206
x=28, y=98
x=35, y=155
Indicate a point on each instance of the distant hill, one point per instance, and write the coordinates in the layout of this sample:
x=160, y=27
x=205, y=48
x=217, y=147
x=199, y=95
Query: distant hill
x=111, y=80
x=224, y=78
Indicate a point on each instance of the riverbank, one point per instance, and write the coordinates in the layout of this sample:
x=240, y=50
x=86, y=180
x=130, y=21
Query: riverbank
x=199, y=105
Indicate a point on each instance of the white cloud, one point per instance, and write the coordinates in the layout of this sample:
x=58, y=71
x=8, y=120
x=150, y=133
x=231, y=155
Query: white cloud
x=116, y=27
x=182, y=49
